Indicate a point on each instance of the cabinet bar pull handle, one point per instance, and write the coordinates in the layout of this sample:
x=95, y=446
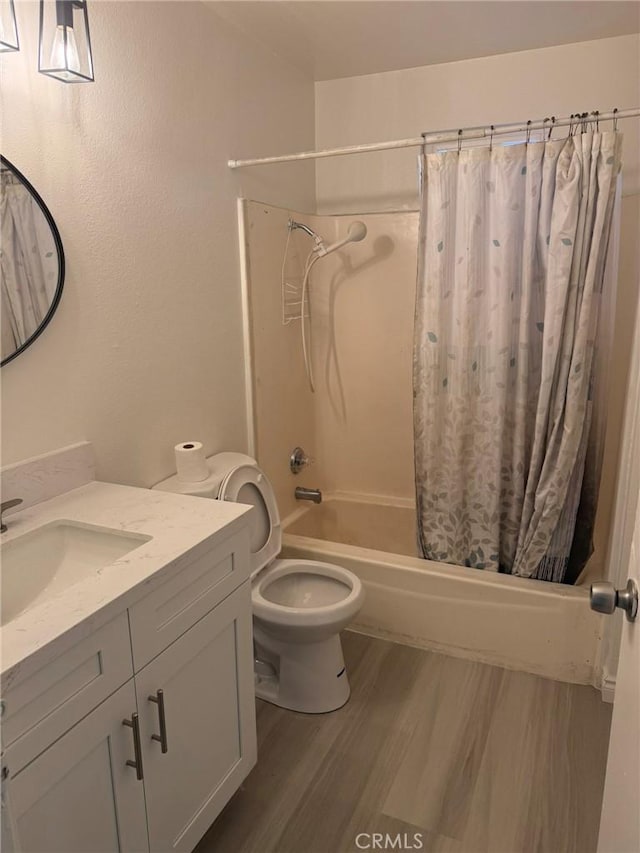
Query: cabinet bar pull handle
x=134, y=724
x=162, y=737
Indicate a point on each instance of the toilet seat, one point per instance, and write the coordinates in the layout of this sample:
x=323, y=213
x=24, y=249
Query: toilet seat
x=338, y=607
x=246, y=484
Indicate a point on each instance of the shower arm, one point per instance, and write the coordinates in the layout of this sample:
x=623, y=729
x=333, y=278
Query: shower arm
x=293, y=226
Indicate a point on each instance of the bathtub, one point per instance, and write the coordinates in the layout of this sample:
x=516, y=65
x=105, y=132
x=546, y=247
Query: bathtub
x=534, y=626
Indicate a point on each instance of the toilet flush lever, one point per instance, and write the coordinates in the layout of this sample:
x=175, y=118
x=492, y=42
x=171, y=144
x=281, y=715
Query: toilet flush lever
x=604, y=598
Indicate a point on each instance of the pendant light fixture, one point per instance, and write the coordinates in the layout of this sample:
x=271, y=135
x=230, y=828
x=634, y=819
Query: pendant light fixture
x=8, y=27
x=65, y=45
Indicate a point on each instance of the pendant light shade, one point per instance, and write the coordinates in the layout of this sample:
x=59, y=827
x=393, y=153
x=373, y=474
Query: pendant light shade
x=8, y=27
x=65, y=45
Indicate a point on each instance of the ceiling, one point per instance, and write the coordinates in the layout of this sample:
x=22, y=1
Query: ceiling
x=327, y=39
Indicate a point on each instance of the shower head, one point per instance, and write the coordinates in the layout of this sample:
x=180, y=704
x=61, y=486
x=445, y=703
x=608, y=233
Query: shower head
x=357, y=231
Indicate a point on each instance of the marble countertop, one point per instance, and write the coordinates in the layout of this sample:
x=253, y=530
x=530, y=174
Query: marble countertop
x=181, y=529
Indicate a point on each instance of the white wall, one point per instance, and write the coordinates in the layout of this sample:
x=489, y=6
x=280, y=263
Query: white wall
x=145, y=349
x=495, y=89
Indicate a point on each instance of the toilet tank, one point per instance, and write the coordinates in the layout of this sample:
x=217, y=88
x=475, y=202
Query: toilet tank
x=219, y=466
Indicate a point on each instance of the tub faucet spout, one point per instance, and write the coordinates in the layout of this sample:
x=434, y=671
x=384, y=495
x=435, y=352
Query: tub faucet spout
x=303, y=494
x=7, y=505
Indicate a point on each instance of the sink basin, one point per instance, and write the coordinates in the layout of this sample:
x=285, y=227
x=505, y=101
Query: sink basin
x=54, y=557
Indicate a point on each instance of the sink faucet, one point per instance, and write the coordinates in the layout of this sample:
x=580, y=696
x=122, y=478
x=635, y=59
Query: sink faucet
x=7, y=505
x=303, y=494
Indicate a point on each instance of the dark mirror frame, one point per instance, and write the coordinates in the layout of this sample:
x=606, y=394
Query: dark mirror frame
x=58, y=244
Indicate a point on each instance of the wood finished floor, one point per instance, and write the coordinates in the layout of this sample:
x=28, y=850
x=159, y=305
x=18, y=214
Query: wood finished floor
x=473, y=757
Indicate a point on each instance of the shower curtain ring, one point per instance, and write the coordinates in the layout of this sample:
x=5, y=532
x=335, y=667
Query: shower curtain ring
x=528, y=131
x=553, y=124
x=459, y=140
x=493, y=127
x=615, y=120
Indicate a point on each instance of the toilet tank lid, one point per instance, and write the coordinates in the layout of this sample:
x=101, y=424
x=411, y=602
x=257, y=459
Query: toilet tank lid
x=220, y=464
x=204, y=489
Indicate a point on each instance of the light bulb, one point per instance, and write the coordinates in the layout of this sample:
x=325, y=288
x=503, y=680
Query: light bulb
x=58, y=59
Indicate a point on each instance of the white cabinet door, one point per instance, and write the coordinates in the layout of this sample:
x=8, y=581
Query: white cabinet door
x=206, y=679
x=79, y=796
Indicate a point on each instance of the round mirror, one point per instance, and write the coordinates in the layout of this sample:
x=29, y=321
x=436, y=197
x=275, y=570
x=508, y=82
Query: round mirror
x=31, y=263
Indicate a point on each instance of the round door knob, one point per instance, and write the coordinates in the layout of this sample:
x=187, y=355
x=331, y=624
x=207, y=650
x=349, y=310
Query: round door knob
x=604, y=598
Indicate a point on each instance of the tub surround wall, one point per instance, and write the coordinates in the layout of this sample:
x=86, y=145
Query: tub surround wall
x=359, y=423
x=145, y=349
x=363, y=307
x=360, y=521
x=283, y=406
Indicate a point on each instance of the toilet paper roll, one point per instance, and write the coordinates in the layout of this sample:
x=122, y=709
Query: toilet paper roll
x=191, y=464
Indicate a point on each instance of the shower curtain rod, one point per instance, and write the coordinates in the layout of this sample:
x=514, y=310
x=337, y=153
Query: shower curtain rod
x=480, y=132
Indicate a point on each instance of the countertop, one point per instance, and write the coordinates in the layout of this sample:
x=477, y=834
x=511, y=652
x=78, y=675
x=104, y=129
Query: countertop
x=182, y=528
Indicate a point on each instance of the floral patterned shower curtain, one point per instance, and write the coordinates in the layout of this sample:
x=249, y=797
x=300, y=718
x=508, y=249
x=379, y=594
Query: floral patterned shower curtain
x=28, y=264
x=512, y=255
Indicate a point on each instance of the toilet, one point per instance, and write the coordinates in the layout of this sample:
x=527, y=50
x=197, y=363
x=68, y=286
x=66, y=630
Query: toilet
x=299, y=606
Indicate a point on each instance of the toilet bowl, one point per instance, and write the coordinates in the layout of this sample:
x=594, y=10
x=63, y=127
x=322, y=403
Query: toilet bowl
x=299, y=606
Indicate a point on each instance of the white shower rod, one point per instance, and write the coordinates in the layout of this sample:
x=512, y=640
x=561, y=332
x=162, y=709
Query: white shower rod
x=481, y=132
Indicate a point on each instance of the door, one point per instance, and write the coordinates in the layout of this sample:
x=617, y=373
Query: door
x=207, y=698
x=79, y=795
x=620, y=822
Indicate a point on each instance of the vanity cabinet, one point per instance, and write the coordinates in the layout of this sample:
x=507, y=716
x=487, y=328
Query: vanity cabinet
x=83, y=778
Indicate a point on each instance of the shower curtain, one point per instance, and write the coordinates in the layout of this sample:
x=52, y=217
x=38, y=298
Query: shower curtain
x=512, y=257
x=28, y=265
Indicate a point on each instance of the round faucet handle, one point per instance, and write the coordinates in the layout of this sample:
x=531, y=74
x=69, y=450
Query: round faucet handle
x=299, y=460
